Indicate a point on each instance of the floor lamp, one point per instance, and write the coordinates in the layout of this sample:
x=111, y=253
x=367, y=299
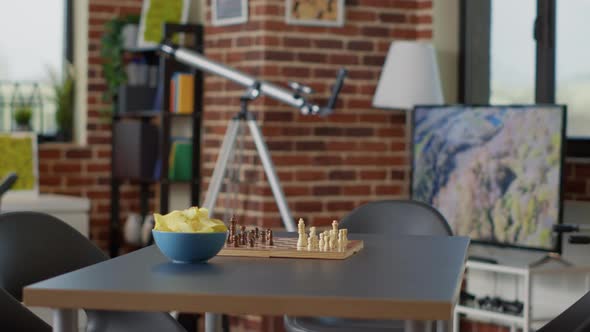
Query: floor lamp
x=409, y=77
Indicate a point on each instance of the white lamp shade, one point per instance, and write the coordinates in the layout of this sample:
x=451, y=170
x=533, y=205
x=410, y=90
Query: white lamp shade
x=409, y=77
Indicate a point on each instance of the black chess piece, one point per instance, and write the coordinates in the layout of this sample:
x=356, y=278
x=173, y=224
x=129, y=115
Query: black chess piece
x=263, y=237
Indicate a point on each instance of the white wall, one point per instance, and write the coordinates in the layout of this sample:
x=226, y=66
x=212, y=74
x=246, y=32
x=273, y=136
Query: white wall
x=80, y=38
x=446, y=42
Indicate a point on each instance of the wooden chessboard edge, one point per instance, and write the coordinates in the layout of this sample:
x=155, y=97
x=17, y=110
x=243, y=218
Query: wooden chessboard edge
x=355, y=246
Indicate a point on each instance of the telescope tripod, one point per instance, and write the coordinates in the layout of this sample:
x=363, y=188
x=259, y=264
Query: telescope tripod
x=227, y=150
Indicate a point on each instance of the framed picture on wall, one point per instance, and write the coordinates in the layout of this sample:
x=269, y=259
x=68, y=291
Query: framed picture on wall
x=154, y=14
x=229, y=12
x=19, y=155
x=315, y=12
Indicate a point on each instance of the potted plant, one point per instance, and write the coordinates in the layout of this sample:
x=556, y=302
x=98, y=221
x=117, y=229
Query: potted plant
x=63, y=97
x=111, y=52
x=22, y=117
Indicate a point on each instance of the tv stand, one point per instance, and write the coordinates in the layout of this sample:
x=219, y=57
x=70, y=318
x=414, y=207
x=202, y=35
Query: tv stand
x=497, y=276
x=551, y=257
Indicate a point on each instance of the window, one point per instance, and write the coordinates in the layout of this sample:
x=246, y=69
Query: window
x=572, y=64
x=33, y=43
x=529, y=51
x=512, y=52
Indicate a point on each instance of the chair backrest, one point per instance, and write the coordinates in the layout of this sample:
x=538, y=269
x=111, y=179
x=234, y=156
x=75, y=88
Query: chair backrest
x=575, y=318
x=7, y=182
x=15, y=317
x=405, y=217
x=36, y=246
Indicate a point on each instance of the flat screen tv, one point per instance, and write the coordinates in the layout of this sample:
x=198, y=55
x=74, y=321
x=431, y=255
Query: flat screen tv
x=494, y=172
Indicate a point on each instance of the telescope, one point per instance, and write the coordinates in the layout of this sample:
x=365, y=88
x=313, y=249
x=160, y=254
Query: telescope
x=296, y=97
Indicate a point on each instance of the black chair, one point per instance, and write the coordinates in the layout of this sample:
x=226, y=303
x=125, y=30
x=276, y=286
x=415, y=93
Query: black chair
x=15, y=317
x=36, y=246
x=7, y=182
x=382, y=217
x=575, y=318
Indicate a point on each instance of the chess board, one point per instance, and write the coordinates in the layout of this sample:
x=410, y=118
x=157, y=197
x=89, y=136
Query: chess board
x=284, y=247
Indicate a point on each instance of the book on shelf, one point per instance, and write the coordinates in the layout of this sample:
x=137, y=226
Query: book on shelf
x=180, y=159
x=182, y=88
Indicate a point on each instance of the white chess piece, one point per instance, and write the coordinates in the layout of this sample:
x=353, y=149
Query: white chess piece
x=333, y=242
x=327, y=240
x=321, y=243
x=312, y=243
x=302, y=241
x=334, y=235
x=344, y=238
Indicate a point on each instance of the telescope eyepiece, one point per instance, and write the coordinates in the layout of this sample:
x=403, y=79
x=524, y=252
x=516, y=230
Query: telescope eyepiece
x=300, y=88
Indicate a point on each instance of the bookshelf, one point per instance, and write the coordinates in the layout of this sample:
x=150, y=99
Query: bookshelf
x=163, y=119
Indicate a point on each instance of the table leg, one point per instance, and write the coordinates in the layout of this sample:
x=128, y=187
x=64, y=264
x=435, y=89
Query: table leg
x=417, y=326
x=65, y=320
x=456, y=321
x=444, y=325
x=212, y=322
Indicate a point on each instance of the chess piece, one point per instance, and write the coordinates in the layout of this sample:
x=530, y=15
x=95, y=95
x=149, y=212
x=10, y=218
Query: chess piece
x=312, y=243
x=263, y=237
x=232, y=229
x=270, y=241
x=257, y=232
x=326, y=240
x=244, y=238
x=251, y=241
x=344, y=238
x=302, y=241
x=342, y=241
x=334, y=235
x=236, y=241
x=333, y=241
x=321, y=242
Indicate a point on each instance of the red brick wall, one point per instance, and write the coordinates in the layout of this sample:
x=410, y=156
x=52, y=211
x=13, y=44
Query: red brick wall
x=577, y=180
x=327, y=166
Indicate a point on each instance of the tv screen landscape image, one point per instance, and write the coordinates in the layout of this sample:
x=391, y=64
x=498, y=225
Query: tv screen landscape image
x=494, y=172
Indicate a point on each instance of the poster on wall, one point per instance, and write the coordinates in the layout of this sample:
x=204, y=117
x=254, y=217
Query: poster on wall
x=315, y=12
x=154, y=14
x=19, y=155
x=229, y=12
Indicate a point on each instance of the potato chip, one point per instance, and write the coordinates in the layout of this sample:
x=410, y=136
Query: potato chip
x=191, y=220
x=160, y=223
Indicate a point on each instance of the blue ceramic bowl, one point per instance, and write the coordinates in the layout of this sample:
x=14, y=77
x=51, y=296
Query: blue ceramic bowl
x=189, y=247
